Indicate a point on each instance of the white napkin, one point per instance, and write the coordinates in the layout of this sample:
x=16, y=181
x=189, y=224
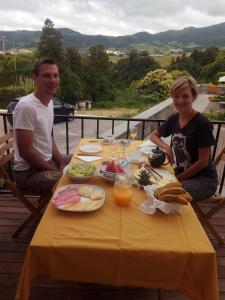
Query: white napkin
x=147, y=143
x=151, y=204
x=88, y=158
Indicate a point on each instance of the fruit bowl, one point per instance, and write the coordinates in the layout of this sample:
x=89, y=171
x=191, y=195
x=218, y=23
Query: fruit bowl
x=109, y=171
x=79, y=172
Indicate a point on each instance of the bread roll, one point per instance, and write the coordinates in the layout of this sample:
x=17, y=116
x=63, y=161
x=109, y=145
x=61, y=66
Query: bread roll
x=172, y=190
x=95, y=195
x=173, y=184
x=85, y=191
x=170, y=198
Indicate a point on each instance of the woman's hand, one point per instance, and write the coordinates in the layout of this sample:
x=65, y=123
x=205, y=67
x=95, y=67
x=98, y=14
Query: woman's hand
x=169, y=154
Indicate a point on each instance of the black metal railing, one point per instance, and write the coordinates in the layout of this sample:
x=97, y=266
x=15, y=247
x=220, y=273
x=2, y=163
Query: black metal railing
x=145, y=127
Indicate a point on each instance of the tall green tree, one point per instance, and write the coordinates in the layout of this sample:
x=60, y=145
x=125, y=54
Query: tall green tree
x=99, y=86
x=50, y=43
x=133, y=68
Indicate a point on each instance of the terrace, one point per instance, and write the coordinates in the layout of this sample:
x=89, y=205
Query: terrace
x=12, y=212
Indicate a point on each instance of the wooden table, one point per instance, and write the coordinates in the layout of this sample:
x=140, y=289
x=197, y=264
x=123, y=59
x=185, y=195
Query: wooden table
x=122, y=247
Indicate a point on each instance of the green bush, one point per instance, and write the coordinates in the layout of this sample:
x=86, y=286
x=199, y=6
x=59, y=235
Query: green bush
x=10, y=92
x=103, y=104
x=216, y=115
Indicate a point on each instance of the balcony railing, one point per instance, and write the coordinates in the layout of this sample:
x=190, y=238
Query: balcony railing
x=120, y=128
x=145, y=126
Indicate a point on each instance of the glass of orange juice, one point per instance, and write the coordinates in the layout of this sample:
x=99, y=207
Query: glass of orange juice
x=122, y=189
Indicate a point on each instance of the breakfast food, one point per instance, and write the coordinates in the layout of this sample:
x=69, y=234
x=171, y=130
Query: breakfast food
x=113, y=167
x=174, y=198
x=95, y=195
x=173, y=193
x=80, y=170
x=172, y=190
x=66, y=196
x=85, y=191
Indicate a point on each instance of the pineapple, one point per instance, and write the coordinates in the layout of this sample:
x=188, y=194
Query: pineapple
x=144, y=177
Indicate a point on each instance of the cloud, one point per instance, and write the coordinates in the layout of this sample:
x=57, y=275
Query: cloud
x=109, y=17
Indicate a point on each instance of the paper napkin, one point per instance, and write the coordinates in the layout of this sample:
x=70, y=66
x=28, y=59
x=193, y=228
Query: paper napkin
x=147, y=143
x=88, y=158
x=151, y=204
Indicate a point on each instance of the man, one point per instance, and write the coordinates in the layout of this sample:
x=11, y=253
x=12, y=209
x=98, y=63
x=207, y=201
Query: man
x=38, y=163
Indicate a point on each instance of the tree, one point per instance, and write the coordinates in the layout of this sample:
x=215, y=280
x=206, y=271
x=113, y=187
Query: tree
x=133, y=68
x=50, y=44
x=71, y=86
x=74, y=60
x=97, y=76
x=157, y=83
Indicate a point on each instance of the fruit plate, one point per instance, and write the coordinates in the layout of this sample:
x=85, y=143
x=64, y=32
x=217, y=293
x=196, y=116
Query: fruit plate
x=78, y=176
x=110, y=176
x=85, y=204
x=91, y=148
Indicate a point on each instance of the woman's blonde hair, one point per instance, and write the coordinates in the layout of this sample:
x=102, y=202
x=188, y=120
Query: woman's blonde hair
x=182, y=82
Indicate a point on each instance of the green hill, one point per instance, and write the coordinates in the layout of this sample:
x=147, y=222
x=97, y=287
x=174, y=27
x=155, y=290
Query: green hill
x=187, y=38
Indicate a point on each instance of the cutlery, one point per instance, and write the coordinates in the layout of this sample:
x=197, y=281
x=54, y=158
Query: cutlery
x=154, y=171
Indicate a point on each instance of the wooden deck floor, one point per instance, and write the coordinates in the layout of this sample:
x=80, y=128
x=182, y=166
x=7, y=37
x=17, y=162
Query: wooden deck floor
x=12, y=253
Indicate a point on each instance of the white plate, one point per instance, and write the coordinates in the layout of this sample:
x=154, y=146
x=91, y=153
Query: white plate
x=77, y=178
x=85, y=204
x=147, y=150
x=91, y=148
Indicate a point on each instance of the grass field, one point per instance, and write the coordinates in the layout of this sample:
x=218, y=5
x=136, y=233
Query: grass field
x=114, y=112
x=165, y=60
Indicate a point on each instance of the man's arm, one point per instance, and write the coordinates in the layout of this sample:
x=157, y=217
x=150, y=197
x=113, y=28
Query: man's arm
x=57, y=156
x=24, y=139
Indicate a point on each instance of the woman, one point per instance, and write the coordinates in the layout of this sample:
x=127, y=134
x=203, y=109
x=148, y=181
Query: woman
x=191, y=141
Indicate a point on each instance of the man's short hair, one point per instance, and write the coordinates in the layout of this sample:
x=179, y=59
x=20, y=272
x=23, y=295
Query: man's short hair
x=42, y=61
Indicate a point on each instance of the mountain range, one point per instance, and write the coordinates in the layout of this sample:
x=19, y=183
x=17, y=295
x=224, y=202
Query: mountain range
x=190, y=37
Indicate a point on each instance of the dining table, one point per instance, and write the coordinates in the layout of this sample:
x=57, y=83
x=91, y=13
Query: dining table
x=121, y=246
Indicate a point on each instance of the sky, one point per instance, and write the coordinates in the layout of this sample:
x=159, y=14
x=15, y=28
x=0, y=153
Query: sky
x=111, y=17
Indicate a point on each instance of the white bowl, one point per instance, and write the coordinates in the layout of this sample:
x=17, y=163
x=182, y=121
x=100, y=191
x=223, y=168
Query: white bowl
x=77, y=177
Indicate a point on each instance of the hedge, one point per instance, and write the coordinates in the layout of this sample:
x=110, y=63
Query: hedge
x=8, y=93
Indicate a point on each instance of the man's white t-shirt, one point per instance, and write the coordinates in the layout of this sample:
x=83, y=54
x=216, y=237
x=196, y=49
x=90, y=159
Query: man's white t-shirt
x=32, y=115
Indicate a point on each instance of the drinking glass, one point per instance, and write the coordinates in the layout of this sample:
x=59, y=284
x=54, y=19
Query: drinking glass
x=124, y=143
x=133, y=133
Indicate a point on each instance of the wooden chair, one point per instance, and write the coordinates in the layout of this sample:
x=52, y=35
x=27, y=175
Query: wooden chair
x=34, y=203
x=217, y=200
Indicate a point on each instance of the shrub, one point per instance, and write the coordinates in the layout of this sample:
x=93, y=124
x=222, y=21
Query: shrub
x=102, y=104
x=216, y=115
x=10, y=92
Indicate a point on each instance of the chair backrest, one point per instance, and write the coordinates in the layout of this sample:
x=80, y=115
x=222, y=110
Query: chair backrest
x=218, y=160
x=6, y=155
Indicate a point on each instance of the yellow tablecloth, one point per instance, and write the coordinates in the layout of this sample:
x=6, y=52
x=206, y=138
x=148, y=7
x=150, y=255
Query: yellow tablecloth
x=122, y=247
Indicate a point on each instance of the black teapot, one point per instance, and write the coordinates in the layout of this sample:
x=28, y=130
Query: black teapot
x=157, y=157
